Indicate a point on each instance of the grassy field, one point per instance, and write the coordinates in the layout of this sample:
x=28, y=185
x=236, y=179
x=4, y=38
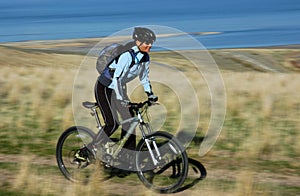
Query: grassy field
x=257, y=152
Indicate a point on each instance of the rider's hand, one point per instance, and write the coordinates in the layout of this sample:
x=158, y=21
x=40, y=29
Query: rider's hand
x=152, y=99
x=125, y=103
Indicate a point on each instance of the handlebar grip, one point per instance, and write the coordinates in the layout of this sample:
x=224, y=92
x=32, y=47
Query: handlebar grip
x=138, y=105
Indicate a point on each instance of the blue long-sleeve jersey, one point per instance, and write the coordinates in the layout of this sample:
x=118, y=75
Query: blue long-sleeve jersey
x=124, y=72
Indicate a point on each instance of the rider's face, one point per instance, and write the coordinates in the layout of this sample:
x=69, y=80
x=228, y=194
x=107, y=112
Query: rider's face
x=144, y=47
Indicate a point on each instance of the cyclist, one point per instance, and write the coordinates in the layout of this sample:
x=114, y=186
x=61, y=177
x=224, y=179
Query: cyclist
x=110, y=93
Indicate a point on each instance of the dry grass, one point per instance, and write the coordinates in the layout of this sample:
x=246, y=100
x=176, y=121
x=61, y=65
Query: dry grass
x=30, y=180
x=260, y=134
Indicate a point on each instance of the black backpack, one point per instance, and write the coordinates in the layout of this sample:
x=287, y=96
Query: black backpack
x=112, y=53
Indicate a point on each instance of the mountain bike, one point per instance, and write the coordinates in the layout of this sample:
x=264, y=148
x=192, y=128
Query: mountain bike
x=160, y=161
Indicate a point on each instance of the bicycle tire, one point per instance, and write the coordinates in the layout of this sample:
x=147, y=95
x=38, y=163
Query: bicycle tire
x=66, y=145
x=172, y=171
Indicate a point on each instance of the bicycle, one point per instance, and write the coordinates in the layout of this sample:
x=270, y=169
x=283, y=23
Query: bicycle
x=160, y=161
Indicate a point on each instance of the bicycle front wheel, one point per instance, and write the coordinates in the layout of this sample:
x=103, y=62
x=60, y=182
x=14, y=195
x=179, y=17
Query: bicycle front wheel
x=69, y=146
x=170, y=171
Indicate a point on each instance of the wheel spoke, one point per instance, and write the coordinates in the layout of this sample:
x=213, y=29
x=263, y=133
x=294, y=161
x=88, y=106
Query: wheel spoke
x=171, y=170
x=72, y=156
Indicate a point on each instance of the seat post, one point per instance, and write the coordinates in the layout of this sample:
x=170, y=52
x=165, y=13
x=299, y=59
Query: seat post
x=95, y=114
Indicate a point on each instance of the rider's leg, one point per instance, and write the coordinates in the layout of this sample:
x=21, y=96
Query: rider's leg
x=125, y=114
x=128, y=151
x=103, y=97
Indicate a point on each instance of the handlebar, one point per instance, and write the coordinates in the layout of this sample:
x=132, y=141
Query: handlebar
x=137, y=106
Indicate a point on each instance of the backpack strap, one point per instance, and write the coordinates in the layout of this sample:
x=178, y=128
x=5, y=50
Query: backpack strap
x=145, y=58
x=133, y=55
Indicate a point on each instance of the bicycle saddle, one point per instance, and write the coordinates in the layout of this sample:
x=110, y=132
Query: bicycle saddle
x=89, y=105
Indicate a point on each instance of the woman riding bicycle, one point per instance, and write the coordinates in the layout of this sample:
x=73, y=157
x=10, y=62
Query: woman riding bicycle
x=110, y=93
x=159, y=159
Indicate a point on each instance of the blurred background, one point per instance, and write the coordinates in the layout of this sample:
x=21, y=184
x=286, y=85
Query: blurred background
x=236, y=23
x=255, y=45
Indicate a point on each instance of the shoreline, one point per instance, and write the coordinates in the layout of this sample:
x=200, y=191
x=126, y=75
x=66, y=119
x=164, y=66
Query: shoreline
x=281, y=58
x=122, y=37
x=75, y=44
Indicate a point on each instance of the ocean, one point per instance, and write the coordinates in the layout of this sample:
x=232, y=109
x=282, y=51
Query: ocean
x=240, y=23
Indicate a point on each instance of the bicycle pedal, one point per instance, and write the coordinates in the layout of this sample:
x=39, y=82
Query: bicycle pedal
x=78, y=157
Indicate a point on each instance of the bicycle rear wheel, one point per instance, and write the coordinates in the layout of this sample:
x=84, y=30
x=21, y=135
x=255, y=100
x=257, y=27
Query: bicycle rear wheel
x=70, y=144
x=171, y=170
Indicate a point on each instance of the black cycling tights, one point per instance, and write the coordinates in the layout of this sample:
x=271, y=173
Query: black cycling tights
x=109, y=107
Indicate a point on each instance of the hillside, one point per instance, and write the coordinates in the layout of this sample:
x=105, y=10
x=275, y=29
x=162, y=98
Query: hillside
x=256, y=153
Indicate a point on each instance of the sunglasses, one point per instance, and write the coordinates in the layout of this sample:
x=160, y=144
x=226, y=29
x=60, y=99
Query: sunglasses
x=148, y=42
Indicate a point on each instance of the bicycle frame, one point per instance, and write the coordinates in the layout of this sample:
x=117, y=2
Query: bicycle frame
x=159, y=159
x=134, y=122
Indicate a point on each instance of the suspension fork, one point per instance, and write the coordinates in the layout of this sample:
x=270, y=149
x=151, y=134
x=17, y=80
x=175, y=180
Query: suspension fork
x=155, y=155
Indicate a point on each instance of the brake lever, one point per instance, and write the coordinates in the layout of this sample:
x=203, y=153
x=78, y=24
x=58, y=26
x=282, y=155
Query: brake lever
x=152, y=103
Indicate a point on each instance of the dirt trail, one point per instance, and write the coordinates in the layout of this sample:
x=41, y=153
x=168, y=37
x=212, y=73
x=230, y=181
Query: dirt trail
x=291, y=179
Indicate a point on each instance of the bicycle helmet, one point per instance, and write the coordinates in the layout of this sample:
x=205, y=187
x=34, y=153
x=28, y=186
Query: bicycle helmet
x=143, y=35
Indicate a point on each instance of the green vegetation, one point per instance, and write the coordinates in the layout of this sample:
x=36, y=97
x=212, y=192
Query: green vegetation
x=257, y=152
